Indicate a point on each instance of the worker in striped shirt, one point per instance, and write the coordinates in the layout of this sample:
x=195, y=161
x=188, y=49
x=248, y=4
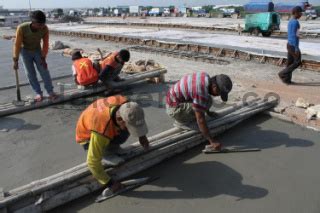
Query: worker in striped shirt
x=190, y=99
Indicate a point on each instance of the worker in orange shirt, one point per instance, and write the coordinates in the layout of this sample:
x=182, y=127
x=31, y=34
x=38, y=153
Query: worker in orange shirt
x=107, y=123
x=112, y=65
x=83, y=70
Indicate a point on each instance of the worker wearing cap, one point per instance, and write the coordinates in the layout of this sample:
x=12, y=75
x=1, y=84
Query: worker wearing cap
x=105, y=123
x=190, y=98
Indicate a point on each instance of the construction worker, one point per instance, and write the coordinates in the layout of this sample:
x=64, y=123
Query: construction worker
x=28, y=45
x=83, y=70
x=294, y=54
x=107, y=123
x=189, y=99
x=112, y=65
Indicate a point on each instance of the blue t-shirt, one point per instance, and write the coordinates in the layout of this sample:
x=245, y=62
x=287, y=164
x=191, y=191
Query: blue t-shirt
x=293, y=27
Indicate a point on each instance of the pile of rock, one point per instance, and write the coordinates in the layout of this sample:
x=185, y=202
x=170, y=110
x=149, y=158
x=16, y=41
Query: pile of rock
x=312, y=111
x=58, y=45
x=143, y=66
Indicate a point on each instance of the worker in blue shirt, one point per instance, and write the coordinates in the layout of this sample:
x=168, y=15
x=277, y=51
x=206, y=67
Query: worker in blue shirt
x=294, y=54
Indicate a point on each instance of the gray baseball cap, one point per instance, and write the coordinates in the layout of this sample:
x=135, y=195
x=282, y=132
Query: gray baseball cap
x=133, y=116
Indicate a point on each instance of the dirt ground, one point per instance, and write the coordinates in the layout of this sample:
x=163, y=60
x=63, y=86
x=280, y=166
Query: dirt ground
x=247, y=77
x=261, y=45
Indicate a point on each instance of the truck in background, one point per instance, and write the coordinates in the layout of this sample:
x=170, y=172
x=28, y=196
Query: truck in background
x=135, y=10
x=264, y=23
x=156, y=11
x=259, y=7
x=311, y=14
x=13, y=21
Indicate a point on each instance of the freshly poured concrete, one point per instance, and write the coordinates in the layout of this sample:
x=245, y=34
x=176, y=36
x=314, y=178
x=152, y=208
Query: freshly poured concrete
x=40, y=143
x=306, y=26
x=58, y=65
x=260, y=45
x=283, y=177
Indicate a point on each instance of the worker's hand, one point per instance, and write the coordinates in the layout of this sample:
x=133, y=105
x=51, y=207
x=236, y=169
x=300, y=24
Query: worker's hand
x=116, y=186
x=44, y=63
x=212, y=114
x=215, y=145
x=144, y=142
x=15, y=64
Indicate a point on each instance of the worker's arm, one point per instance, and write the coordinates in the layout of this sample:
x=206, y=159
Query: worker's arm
x=144, y=142
x=17, y=47
x=97, y=145
x=202, y=123
x=106, y=73
x=45, y=45
x=212, y=114
x=74, y=73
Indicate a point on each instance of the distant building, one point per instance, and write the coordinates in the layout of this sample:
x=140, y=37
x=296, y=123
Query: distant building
x=12, y=21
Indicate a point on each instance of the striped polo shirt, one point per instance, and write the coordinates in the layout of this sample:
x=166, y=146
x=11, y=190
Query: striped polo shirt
x=191, y=88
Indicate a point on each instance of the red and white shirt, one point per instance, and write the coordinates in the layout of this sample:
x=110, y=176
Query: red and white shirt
x=193, y=88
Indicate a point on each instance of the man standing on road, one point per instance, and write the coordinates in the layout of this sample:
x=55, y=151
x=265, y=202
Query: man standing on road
x=103, y=126
x=28, y=45
x=190, y=98
x=294, y=54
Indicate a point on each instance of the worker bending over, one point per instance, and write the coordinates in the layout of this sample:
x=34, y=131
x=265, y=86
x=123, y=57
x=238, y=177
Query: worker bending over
x=106, y=123
x=190, y=98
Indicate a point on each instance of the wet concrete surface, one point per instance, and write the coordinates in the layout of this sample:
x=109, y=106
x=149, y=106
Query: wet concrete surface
x=40, y=143
x=58, y=65
x=259, y=45
x=283, y=177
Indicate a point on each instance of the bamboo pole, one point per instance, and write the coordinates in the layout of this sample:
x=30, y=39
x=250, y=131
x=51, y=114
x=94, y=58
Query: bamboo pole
x=131, y=148
x=12, y=109
x=84, y=171
x=245, y=114
x=132, y=168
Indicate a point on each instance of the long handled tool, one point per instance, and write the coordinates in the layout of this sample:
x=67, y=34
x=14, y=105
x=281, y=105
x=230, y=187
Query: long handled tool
x=128, y=185
x=229, y=150
x=18, y=102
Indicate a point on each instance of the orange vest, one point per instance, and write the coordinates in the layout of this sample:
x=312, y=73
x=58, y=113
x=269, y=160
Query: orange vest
x=111, y=61
x=97, y=117
x=86, y=74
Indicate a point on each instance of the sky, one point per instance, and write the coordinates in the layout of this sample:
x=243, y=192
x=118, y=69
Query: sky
x=105, y=3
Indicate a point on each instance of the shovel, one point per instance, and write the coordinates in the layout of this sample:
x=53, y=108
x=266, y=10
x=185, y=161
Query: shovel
x=18, y=102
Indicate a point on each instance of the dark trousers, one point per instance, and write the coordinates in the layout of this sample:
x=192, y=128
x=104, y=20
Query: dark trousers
x=293, y=62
